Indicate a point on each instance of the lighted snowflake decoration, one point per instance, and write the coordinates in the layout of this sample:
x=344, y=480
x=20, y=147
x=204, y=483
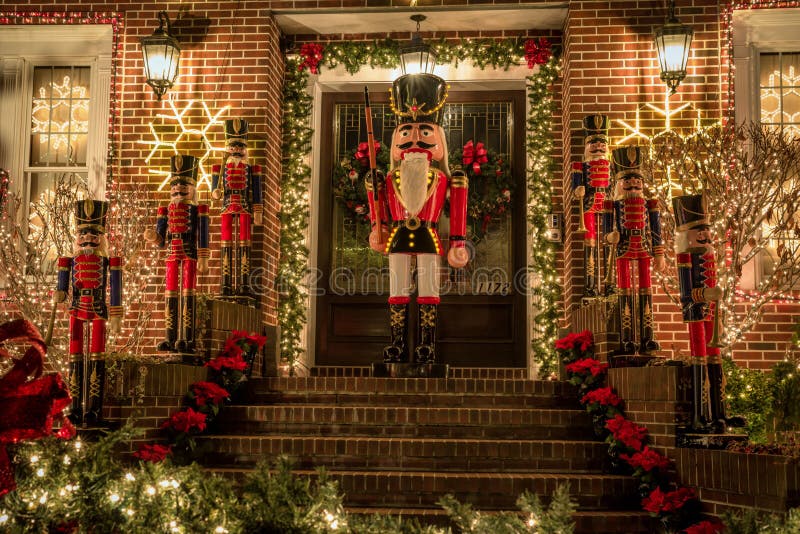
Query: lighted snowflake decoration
x=779, y=88
x=159, y=143
x=66, y=101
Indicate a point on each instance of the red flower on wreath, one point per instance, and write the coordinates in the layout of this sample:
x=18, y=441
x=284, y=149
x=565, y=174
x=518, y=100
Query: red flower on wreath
x=153, y=452
x=659, y=502
x=627, y=432
x=706, y=527
x=186, y=420
x=312, y=55
x=647, y=459
x=208, y=391
x=586, y=366
x=602, y=396
x=362, y=152
x=537, y=52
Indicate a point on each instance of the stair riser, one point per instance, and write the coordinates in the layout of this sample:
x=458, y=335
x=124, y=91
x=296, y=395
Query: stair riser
x=443, y=400
x=407, y=431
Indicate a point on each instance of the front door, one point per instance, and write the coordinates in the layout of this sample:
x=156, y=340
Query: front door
x=482, y=316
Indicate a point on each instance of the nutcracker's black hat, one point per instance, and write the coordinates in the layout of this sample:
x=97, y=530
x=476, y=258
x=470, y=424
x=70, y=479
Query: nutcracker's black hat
x=419, y=98
x=595, y=128
x=627, y=161
x=183, y=170
x=236, y=131
x=91, y=215
x=690, y=212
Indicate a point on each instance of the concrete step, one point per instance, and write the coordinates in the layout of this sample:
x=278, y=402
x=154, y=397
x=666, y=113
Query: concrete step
x=507, y=373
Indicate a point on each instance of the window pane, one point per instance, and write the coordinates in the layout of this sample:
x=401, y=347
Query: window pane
x=770, y=70
x=60, y=116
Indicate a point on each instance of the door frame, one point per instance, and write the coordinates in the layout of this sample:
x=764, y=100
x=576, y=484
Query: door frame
x=462, y=78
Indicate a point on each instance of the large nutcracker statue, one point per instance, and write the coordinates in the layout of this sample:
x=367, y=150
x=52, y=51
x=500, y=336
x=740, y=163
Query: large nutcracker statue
x=89, y=272
x=697, y=275
x=590, y=183
x=633, y=227
x=182, y=226
x=415, y=190
x=238, y=184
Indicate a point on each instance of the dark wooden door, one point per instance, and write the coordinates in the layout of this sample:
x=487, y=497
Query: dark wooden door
x=482, y=317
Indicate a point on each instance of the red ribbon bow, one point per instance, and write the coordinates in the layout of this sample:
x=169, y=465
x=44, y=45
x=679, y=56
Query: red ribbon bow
x=475, y=155
x=537, y=52
x=29, y=407
x=312, y=56
x=362, y=153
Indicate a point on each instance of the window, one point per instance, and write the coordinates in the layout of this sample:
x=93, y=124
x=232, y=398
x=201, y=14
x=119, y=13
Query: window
x=779, y=90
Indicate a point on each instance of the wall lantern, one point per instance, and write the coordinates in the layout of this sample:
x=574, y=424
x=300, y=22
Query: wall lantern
x=161, y=54
x=417, y=57
x=673, y=40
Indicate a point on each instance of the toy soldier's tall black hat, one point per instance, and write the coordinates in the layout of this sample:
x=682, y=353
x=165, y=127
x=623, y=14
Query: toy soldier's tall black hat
x=236, y=131
x=419, y=98
x=690, y=212
x=595, y=128
x=183, y=169
x=91, y=215
x=626, y=161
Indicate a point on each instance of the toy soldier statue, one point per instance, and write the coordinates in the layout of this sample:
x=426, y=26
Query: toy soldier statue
x=183, y=227
x=238, y=184
x=590, y=181
x=633, y=225
x=415, y=189
x=697, y=275
x=87, y=272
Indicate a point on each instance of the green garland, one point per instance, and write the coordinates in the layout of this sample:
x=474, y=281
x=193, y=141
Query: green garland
x=295, y=181
x=539, y=147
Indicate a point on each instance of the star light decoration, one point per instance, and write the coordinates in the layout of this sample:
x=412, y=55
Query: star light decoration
x=47, y=107
x=159, y=143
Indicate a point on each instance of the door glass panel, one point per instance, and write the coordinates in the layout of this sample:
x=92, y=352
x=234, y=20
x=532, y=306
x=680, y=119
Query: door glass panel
x=356, y=269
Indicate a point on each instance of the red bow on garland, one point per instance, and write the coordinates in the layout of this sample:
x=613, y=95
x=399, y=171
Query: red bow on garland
x=475, y=155
x=362, y=154
x=537, y=52
x=312, y=55
x=29, y=407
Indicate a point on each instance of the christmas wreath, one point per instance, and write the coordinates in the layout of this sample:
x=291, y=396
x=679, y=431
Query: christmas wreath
x=491, y=183
x=348, y=179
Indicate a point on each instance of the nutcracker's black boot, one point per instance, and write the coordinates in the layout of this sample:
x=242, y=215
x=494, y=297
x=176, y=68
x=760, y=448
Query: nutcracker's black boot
x=699, y=398
x=186, y=342
x=170, y=324
x=227, y=270
x=626, y=342
x=589, y=270
x=647, y=343
x=609, y=284
x=75, y=385
x=397, y=352
x=96, y=387
x=426, y=348
x=719, y=417
x=243, y=286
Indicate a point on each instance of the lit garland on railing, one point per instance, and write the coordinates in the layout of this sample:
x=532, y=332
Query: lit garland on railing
x=483, y=53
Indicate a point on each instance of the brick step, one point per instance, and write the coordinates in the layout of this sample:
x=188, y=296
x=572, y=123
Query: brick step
x=414, y=454
x=586, y=522
x=506, y=373
x=323, y=420
x=490, y=491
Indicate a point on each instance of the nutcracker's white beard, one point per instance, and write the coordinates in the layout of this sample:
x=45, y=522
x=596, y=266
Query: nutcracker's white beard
x=414, y=181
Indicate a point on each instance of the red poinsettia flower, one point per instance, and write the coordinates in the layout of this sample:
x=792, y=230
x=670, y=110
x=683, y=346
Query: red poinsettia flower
x=584, y=340
x=627, y=432
x=235, y=363
x=232, y=348
x=587, y=365
x=153, y=452
x=567, y=342
x=208, y=391
x=186, y=420
x=706, y=527
x=602, y=396
x=659, y=502
x=647, y=459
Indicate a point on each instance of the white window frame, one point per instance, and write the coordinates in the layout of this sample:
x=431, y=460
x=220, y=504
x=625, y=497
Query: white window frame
x=21, y=49
x=756, y=31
